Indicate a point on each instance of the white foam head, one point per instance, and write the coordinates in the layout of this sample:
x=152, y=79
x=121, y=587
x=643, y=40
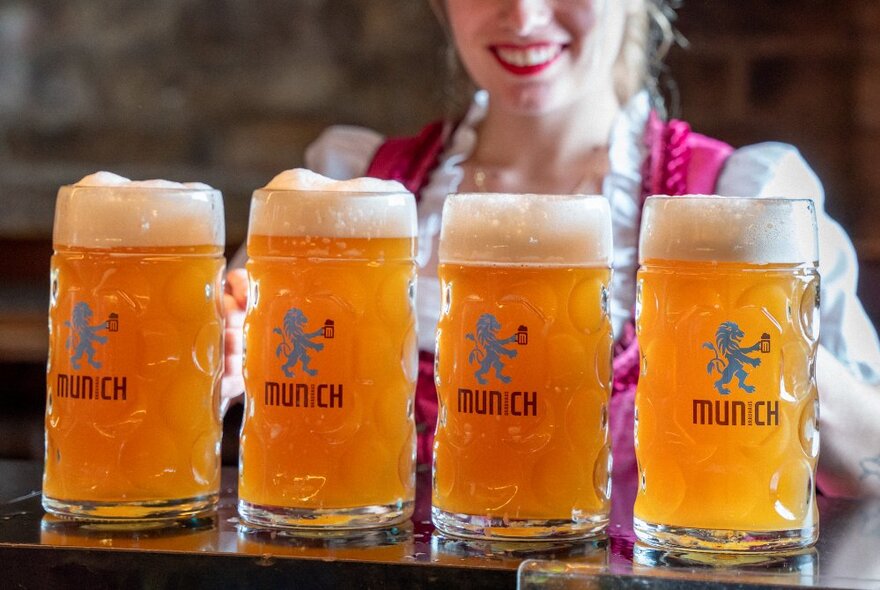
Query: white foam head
x=729, y=229
x=301, y=203
x=482, y=228
x=105, y=210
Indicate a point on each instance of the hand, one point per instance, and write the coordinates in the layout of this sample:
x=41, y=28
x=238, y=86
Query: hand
x=234, y=305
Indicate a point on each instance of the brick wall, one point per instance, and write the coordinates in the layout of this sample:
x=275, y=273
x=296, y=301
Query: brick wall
x=866, y=120
x=229, y=92
x=222, y=91
x=779, y=70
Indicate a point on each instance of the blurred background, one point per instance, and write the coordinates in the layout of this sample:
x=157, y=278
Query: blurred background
x=230, y=92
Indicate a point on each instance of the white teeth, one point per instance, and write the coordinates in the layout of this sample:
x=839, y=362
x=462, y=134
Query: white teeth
x=533, y=56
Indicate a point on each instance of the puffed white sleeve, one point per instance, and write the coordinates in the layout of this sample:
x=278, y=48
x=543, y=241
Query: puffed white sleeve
x=343, y=151
x=779, y=170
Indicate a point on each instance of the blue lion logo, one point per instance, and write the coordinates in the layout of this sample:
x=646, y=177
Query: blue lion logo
x=84, y=336
x=730, y=357
x=295, y=343
x=488, y=349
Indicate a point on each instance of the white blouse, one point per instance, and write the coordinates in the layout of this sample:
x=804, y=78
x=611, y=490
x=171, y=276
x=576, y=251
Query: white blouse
x=767, y=169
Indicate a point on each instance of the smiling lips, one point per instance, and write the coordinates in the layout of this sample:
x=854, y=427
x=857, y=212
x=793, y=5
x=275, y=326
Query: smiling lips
x=527, y=60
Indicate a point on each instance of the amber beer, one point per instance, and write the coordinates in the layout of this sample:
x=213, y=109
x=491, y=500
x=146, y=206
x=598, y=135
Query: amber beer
x=523, y=367
x=328, y=438
x=132, y=414
x=726, y=406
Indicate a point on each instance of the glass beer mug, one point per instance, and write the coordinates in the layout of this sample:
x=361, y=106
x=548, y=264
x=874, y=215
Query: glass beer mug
x=328, y=438
x=726, y=405
x=523, y=367
x=135, y=342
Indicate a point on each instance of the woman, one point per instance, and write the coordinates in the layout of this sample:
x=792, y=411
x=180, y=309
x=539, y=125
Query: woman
x=564, y=108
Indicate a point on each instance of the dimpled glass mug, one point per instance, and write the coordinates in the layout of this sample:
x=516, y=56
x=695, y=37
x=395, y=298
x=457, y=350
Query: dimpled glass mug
x=328, y=438
x=523, y=367
x=726, y=406
x=135, y=341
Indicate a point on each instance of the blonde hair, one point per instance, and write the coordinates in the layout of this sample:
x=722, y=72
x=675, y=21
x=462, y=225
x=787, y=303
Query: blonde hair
x=648, y=37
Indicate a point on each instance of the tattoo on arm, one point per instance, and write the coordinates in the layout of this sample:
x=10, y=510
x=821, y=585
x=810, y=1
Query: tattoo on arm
x=870, y=467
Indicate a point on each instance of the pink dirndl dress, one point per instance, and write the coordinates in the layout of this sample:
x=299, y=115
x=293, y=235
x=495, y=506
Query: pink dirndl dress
x=679, y=162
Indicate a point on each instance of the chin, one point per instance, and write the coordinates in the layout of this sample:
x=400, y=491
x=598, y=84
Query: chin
x=533, y=101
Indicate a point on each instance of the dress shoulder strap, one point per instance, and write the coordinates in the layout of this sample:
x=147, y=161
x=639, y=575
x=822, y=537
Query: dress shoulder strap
x=680, y=161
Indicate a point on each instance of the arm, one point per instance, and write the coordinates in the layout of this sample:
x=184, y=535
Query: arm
x=743, y=352
x=849, y=430
x=847, y=373
x=98, y=338
x=314, y=345
x=848, y=363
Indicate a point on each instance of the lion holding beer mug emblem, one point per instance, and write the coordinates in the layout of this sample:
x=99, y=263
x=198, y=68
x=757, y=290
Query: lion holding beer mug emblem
x=488, y=348
x=730, y=358
x=84, y=335
x=295, y=343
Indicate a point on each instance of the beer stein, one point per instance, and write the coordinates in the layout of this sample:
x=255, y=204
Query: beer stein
x=135, y=342
x=328, y=438
x=726, y=405
x=523, y=367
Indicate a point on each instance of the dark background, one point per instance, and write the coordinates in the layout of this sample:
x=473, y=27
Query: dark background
x=230, y=92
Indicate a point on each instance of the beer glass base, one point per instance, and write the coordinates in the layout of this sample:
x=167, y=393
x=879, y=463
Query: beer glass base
x=794, y=561
x=123, y=512
x=724, y=540
x=513, y=529
x=327, y=519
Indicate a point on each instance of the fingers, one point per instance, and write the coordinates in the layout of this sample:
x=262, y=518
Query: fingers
x=231, y=392
x=233, y=344
x=232, y=382
x=233, y=312
x=237, y=286
x=233, y=353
